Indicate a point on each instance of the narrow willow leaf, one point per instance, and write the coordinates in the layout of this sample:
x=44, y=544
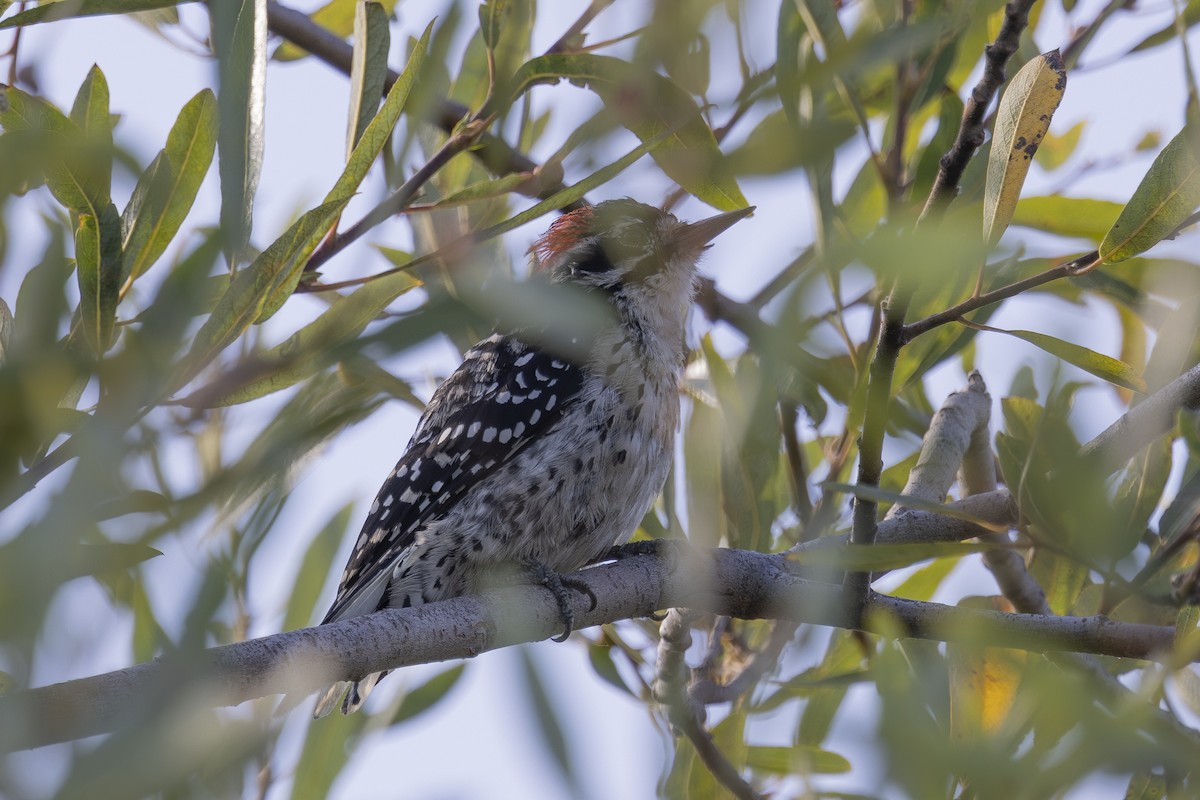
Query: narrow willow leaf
x=491, y=20
x=76, y=169
x=1022, y=119
x=98, y=267
x=879, y=557
x=259, y=289
x=1168, y=193
x=371, y=143
x=90, y=113
x=427, y=695
x=1076, y=217
x=239, y=40
x=293, y=249
x=647, y=104
x=876, y=495
x=314, y=569
x=166, y=191
x=328, y=744
x=6, y=329
x=93, y=559
x=49, y=12
x=368, y=68
x=308, y=349
x=799, y=760
x=337, y=17
x=1098, y=364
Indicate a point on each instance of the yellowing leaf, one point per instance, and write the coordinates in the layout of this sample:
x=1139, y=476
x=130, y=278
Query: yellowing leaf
x=983, y=682
x=1022, y=120
x=1165, y=197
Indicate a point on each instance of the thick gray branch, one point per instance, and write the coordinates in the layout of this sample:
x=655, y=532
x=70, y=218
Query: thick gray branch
x=736, y=583
x=1145, y=422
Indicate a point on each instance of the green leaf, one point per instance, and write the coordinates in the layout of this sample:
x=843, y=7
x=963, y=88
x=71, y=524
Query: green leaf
x=98, y=267
x=1076, y=217
x=371, y=143
x=78, y=168
x=1055, y=150
x=1098, y=364
x=94, y=559
x=6, y=329
x=1167, y=195
x=427, y=695
x=310, y=348
x=336, y=17
x=258, y=290
x=326, y=750
x=874, y=494
x=648, y=104
x=1022, y=120
x=368, y=68
x=491, y=20
x=167, y=189
x=798, y=760
x=49, y=12
x=879, y=557
x=239, y=41
x=90, y=113
x=553, y=737
x=314, y=569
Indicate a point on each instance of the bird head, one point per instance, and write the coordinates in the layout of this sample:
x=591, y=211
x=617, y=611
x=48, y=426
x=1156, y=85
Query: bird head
x=619, y=245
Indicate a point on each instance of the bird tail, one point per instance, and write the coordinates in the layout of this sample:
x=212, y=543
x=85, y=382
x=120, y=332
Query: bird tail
x=350, y=694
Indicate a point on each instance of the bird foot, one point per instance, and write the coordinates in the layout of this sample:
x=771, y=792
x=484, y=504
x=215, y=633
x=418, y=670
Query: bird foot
x=558, y=586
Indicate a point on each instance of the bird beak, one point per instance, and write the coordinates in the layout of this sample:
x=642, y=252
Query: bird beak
x=697, y=235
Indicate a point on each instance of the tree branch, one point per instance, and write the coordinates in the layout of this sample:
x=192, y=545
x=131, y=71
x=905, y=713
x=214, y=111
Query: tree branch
x=1144, y=423
x=970, y=132
x=736, y=583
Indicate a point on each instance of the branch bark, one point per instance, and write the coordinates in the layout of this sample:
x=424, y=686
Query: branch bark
x=736, y=583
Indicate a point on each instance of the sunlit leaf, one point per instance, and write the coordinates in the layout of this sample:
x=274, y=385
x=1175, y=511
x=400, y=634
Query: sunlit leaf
x=1076, y=217
x=166, y=191
x=337, y=17
x=368, y=71
x=1167, y=195
x=1023, y=118
x=239, y=41
x=49, y=12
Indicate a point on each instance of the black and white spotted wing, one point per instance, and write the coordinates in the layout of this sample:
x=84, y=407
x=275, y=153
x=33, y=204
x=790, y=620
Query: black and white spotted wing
x=503, y=396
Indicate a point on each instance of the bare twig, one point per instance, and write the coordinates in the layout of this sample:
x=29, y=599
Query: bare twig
x=566, y=42
x=1144, y=423
x=1075, y=266
x=970, y=132
x=397, y=201
x=687, y=717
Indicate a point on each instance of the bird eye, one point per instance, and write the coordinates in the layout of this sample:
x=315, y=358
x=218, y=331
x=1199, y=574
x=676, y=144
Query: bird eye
x=595, y=261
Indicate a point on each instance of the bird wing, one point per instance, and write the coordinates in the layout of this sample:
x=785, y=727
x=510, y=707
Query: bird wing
x=503, y=395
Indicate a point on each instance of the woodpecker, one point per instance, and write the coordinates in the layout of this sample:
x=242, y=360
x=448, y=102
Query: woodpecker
x=528, y=458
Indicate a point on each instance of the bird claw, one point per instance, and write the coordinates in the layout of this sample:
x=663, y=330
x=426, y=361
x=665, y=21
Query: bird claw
x=558, y=586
